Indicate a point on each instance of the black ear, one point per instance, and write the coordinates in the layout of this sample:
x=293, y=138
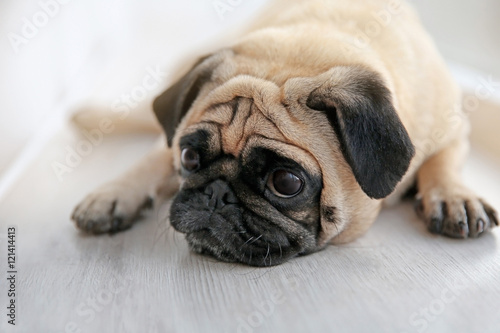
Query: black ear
x=373, y=140
x=173, y=104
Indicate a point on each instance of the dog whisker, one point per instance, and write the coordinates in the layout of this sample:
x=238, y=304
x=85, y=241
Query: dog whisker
x=247, y=241
x=256, y=239
x=267, y=255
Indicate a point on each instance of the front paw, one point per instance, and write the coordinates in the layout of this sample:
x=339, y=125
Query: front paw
x=111, y=208
x=457, y=213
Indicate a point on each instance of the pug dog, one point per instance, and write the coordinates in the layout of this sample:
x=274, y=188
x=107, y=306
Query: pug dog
x=294, y=137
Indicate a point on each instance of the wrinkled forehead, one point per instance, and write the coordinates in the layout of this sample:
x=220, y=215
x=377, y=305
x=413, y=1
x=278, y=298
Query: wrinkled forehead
x=244, y=117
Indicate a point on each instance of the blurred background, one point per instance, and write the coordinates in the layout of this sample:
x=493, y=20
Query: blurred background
x=57, y=55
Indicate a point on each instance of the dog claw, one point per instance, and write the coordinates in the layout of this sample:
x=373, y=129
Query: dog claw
x=436, y=226
x=457, y=216
x=116, y=224
x=480, y=226
x=462, y=229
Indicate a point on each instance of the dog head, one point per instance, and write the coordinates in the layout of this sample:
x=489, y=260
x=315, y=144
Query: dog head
x=275, y=170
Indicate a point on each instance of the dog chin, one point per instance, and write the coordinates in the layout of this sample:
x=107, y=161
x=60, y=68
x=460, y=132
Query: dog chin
x=200, y=242
x=205, y=243
x=234, y=236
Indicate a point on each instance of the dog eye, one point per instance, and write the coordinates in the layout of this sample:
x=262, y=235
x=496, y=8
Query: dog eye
x=190, y=159
x=284, y=183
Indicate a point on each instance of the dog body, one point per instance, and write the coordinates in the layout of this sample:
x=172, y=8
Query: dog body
x=294, y=137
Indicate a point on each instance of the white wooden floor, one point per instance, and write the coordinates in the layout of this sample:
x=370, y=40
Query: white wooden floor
x=397, y=278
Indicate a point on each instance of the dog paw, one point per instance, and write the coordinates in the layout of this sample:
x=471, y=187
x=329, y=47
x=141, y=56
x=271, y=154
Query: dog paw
x=456, y=213
x=111, y=208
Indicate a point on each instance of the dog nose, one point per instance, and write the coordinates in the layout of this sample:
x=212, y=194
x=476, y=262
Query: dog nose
x=220, y=194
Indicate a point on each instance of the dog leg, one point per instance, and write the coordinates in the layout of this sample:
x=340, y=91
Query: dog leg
x=117, y=205
x=139, y=119
x=445, y=204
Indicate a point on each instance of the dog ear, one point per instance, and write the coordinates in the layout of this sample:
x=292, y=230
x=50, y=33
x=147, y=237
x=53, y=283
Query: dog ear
x=373, y=140
x=173, y=104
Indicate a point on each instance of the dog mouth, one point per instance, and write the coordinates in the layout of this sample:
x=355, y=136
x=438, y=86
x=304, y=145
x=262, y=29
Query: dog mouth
x=204, y=242
x=233, y=236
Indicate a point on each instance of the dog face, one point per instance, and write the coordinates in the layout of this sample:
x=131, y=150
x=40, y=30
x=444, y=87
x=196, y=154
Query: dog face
x=272, y=169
